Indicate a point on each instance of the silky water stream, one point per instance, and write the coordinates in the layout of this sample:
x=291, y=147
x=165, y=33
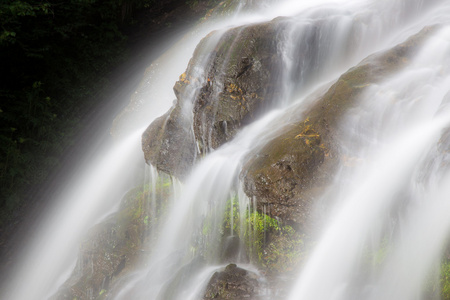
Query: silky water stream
x=388, y=218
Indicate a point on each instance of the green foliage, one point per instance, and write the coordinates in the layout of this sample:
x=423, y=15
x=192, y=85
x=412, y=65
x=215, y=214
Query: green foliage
x=277, y=247
x=272, y=245
x=231, y=221
x=445, y=280
x=437, y=283
x=259, y=226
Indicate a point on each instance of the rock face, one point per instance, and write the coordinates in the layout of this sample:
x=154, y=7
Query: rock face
x=287, y=174
x=241, y=81
x=168, y=143
x=232, y=283
x=226, y=85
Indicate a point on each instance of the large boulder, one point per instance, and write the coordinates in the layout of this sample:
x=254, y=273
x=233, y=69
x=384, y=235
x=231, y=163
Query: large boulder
x=290, y=171
x=231, y=78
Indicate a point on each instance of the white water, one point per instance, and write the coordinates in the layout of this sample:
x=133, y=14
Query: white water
x=394, y=132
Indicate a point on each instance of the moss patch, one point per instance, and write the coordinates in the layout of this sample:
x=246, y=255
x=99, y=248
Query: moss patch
x=271, y=245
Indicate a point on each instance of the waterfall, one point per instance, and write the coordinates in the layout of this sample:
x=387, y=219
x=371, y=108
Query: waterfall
x=381, y=221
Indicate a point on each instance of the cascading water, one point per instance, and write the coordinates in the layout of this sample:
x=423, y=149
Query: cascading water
x=387, y=218
x=396, y=132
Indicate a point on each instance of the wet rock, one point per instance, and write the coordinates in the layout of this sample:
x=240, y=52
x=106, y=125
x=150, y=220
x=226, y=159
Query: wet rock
x=287, y=174
x=227, y=84
x=241, y=81
x=168, y=143
x=115, y=246
x=232, y=283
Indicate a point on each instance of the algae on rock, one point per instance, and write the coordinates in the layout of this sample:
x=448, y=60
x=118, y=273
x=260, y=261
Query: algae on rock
x=268, y=243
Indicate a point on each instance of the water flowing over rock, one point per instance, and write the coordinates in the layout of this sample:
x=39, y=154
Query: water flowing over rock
x=168, y=143
x=294, y=168
x=232, y=283
x=240, y=82
x=115, y=247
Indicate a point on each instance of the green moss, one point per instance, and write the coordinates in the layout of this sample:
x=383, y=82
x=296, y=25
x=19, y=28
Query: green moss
x=271, y=245
x=437, y=284
x=445, y=280
x=259, y=226
x=274, y=246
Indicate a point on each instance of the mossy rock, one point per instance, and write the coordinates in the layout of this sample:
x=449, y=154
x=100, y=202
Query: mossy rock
x=115, y=246
x=287, y=174
x=270, y=245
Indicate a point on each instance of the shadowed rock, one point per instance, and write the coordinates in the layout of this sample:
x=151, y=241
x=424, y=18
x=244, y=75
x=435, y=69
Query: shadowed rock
x=227, y=84
x=168, y=143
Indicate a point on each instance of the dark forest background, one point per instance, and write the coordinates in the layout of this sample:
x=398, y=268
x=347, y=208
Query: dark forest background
x=58, y=60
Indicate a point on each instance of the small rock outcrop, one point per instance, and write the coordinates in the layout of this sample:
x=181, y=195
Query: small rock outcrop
x=168, y=143
x=232, y=283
